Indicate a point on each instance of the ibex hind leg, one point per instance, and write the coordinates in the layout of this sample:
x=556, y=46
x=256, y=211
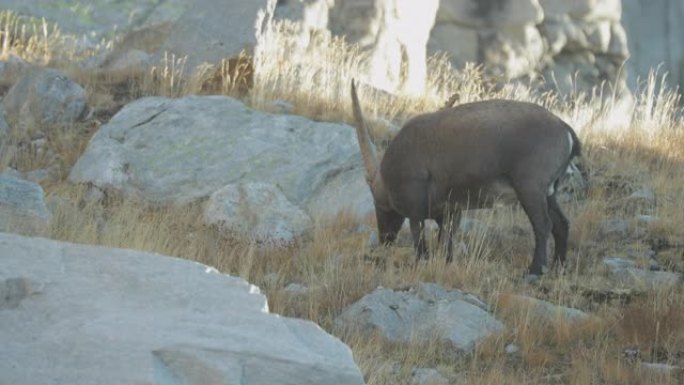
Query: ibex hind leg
x=418, y=235
x=559, y=230
x=534, y=202
x=448, y=223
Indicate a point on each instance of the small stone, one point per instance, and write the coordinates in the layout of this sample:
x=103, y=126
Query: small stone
x=427, y=376
x=512, y=349
x=281, y=107
x=646, y=219
x=296, y=289
x=611, y=227
x=658, y=368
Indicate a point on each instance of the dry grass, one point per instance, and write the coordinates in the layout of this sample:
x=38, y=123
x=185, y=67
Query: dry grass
x=644, y=148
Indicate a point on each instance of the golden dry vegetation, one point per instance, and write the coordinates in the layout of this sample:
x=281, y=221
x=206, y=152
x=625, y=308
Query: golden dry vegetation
x=624, y=150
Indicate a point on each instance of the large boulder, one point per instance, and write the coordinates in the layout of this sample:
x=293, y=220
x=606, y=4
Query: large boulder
x=421, y=315
x=180, y=150
x=77, y=314
x=22, y=206
x=258, y=212
x=44, y=98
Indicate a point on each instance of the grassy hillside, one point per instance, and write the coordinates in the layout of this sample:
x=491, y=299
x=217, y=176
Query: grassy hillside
x=625, y=150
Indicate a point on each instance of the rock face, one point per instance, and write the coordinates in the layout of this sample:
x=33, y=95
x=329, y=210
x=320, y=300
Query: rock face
x=44, y=98
x=258, y=211
x=179, y=150
x=655, y=34
x=211, y=30
x=394, y=33
x=94, y=19
x=520, y=38
x=83, y=315
x=22, y=206
x=421, y=315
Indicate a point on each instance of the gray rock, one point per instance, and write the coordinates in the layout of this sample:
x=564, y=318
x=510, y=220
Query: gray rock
x=618, y=46
x=511, y=349
x=657, y=368
x=258, y=212
x=312, y=13
x=661, y=47
x=499, y=14
x=93, y=20
x=44, y=98
x=296, y=289
x=613, y=227
x=4, y=129
x=83, y=315
x=427, y=376
x=347, y=191
x=644, y=195
x=587, y=10
x=646, y=219
x=11, y=69
x=180, y=150
x=626, y=273
x=545, y=311
x=389, y=31
x=130, y=60
x=39, y=175
x=211, y=30
x=421, y=314
x=22, y=206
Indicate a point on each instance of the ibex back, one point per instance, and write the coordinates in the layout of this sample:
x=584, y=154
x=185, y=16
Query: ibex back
x=467, y=156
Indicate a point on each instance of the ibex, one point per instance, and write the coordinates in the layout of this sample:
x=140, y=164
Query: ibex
x=467, y=156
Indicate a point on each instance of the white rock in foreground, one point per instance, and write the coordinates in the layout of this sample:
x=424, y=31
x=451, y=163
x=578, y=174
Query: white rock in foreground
x=420, y=315
x=75, y=314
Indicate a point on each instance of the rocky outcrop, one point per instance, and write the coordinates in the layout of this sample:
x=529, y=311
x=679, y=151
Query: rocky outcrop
x=83, y=315
x=575, y=45
x=656, y=33
x=501, y=34
x=211, y=30
x=22, y=206
x=421, y=315
x=181, y=150
x=393, y=33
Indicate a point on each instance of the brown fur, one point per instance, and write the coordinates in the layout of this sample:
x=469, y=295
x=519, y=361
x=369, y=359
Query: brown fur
x=466, y=157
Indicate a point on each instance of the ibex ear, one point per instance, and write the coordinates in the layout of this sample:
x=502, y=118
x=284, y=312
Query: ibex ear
x=389, y=224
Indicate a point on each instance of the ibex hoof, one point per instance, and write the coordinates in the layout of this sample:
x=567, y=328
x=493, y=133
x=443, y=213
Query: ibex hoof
x=532, y=279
